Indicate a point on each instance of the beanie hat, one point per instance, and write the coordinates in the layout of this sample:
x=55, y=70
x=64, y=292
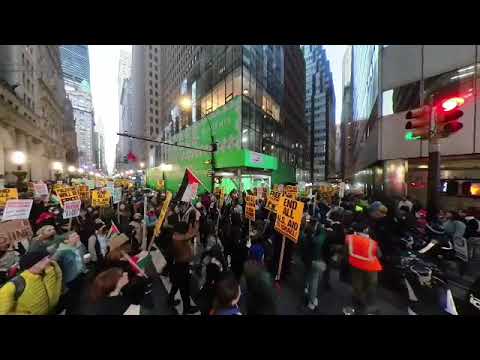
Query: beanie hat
x=376, y=207
x=117, y=241
x=31, y=258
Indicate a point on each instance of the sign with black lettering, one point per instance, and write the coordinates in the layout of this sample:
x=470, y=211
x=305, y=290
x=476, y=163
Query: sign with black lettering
x=273, y=200
x=291, y=191
x=289, y=217
x=250, y=207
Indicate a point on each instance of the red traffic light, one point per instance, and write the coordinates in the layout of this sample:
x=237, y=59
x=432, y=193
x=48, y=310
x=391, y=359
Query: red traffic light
x=452, y=103
x=448, y=115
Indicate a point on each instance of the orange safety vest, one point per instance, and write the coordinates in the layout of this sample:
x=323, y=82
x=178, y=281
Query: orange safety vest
x=363, y=253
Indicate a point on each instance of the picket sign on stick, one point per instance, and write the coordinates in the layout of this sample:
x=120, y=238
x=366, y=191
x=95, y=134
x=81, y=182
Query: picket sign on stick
x=280, y=262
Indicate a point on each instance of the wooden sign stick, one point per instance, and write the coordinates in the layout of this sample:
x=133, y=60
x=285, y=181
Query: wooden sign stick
x=280, y=261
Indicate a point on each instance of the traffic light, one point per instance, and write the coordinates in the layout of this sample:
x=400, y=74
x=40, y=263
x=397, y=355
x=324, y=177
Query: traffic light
x=448, y=113
x=214, y=147
x=419, y=123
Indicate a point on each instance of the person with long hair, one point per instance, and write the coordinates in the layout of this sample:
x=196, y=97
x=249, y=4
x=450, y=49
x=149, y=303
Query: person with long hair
x=105, y=296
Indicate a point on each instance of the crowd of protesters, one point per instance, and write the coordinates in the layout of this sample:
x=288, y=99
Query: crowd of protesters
x=91, y=265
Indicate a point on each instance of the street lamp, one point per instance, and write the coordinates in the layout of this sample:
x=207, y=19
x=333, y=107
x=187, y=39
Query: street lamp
x=19, y=158
x=185, y=103
x=71, y=168
x=142, y=164
x=80, y=171
x=58, y=168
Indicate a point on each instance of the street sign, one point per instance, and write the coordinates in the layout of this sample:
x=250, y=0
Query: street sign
x=273, y=200
x=250, y=207
x=7, y=194
x=17, y=209
x=289, y=217
x=71, y=209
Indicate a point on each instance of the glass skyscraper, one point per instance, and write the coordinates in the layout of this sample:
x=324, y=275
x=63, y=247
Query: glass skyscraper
x=75, y=64
x=319, y=112
x=250, y=98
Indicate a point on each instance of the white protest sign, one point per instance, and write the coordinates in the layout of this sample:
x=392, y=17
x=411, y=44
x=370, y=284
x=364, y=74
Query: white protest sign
x=17, y=209
x=40, y=189
x=71, y=208
x=91, y=184
x=117, y=195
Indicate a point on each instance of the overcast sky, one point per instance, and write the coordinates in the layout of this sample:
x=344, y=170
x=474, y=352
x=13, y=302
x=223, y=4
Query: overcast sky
x=104, y=78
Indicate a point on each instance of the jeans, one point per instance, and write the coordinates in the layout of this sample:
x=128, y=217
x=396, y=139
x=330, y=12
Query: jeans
x=180, y=277
x=311, y=280
x=364, y=285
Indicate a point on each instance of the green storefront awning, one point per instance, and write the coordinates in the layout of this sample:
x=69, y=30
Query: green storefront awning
x=245, y=158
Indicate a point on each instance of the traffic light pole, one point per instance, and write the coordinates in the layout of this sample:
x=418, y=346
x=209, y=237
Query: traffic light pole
x=433, y=189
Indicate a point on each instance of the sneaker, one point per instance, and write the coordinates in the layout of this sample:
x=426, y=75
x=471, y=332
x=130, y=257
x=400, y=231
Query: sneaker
x=191, y=310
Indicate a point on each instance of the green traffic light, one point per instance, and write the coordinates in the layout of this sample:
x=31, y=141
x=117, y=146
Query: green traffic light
x=409, y=136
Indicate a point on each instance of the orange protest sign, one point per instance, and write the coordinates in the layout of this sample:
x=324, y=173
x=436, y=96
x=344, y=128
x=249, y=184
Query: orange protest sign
x=273, y=200
x=250, y=207
x=289, y=217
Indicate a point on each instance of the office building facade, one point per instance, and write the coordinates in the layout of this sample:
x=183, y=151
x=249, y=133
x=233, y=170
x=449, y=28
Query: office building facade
x=145, y=77
x=33, y=111
x=387, y=81
x=249, y=98
x=75, y=64
x=76, y=74
x=320, y=113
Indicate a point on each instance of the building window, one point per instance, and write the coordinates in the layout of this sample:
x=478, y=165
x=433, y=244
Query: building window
x=151, y=129
x=156, y=93
x=401, y=99
x=156, y=112
x=151, y=92
x=237, y=82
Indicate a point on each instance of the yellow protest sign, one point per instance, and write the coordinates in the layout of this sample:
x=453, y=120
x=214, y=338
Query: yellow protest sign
x=289, y=217
x=57, y=187
x=273, y=200
x=100, y=198
x=67, y=193
x=250, y=207
x=163, y=213
x=83, y=192
x=291, y=191
x=7, y=194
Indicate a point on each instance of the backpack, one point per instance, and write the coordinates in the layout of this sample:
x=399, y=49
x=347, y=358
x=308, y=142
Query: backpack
x=20, y=284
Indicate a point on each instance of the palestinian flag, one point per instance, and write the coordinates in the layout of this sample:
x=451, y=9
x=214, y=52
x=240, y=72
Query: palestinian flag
x=189, y=187
x=113, y=230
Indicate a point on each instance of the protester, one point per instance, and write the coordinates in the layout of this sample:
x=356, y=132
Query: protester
x=97, y=243
x=260, y=294
x=105, y=297
x=36, y=290
x=312, y=253
x=227, y=296
x=9, y=261
x=136, y=231
x=46, y=239
x=363, y=255
x=180, y=273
